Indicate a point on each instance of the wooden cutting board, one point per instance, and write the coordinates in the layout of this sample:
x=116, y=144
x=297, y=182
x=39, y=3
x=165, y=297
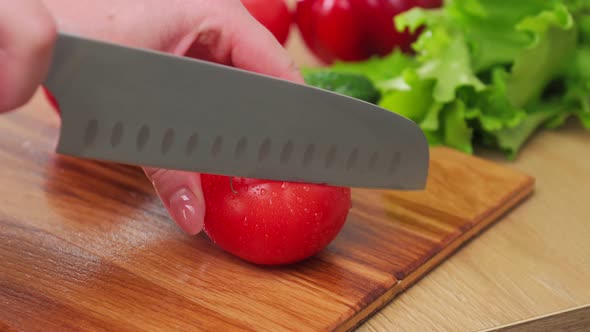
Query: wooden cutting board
x=88, y=246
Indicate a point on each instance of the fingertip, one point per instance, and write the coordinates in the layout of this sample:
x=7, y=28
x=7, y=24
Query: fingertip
x=261, y=52
x=292, y=71
x=182, y=195
x=187, y=211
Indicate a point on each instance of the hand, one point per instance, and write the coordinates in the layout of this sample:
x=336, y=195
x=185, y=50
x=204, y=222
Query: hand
x=27, y=34
x=221, y=31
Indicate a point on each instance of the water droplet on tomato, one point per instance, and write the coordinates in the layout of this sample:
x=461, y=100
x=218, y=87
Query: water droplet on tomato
x=318, y=216
x=306, y=188
x=274, y=194
x=305, y=210
x=245, y=221
x=283, y=185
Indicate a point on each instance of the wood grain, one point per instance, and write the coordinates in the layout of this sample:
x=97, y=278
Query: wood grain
x=87, y=245
x=572, y=320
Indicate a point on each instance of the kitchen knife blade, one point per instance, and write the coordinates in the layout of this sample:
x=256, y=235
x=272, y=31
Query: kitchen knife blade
x=148, y=108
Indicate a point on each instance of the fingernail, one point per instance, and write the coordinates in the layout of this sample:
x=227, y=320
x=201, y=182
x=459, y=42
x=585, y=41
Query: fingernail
x=187, y=211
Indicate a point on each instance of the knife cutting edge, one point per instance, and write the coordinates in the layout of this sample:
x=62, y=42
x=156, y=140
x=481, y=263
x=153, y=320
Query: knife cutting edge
x=148, y=108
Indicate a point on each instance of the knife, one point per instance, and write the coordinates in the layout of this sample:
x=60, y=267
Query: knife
x=143, y=107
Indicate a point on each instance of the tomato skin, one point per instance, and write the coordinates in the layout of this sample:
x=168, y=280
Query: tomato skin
x=274, y=15
x=272, y=222
x=355, y=30
x=330, y=29
x=51, y=98
x=378, y=26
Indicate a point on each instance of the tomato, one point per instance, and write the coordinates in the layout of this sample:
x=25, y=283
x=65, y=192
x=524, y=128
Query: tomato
x=354, y=30
x=330, y=29
x=272, y=222
x=51, y=98
x=274, y=15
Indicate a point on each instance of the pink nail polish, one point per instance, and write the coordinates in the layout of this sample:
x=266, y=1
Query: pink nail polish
x=187, y=211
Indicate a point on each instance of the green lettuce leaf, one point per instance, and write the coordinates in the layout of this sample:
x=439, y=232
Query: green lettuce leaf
x=456, y=131
x=488, y=72
x=443, y=54
x=499, y=58
x=408, y=95
x=537, y=65
x=511, y=139
x=492, y=108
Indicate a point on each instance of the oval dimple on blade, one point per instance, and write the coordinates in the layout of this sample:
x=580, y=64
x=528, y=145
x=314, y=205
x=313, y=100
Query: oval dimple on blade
x=142, y=137
x=331, y=156
x=373, y=160
x=286, y=152
x=352, y=158
x=167, y=141
x=308, y=155
x=241, y=147
x=394, y=162
x=192, y=143
x=264, y=150
x=217, y=146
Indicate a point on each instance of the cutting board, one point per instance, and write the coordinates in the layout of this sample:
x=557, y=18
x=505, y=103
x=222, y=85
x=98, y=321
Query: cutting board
x=87, y=246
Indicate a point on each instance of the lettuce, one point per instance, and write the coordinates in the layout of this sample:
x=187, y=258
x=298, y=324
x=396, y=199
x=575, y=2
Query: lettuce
x=489, y=72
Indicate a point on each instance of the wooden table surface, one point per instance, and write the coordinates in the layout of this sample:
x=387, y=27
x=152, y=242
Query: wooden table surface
x=534, y=262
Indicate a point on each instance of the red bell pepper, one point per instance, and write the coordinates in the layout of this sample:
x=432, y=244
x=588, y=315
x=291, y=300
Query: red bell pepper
x=354, y=30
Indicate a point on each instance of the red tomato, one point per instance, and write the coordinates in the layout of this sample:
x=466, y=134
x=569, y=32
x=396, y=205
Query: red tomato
x=51, y=98
x=354, y=30
x=274, y=15
x=331, y=29
x=272, y=222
